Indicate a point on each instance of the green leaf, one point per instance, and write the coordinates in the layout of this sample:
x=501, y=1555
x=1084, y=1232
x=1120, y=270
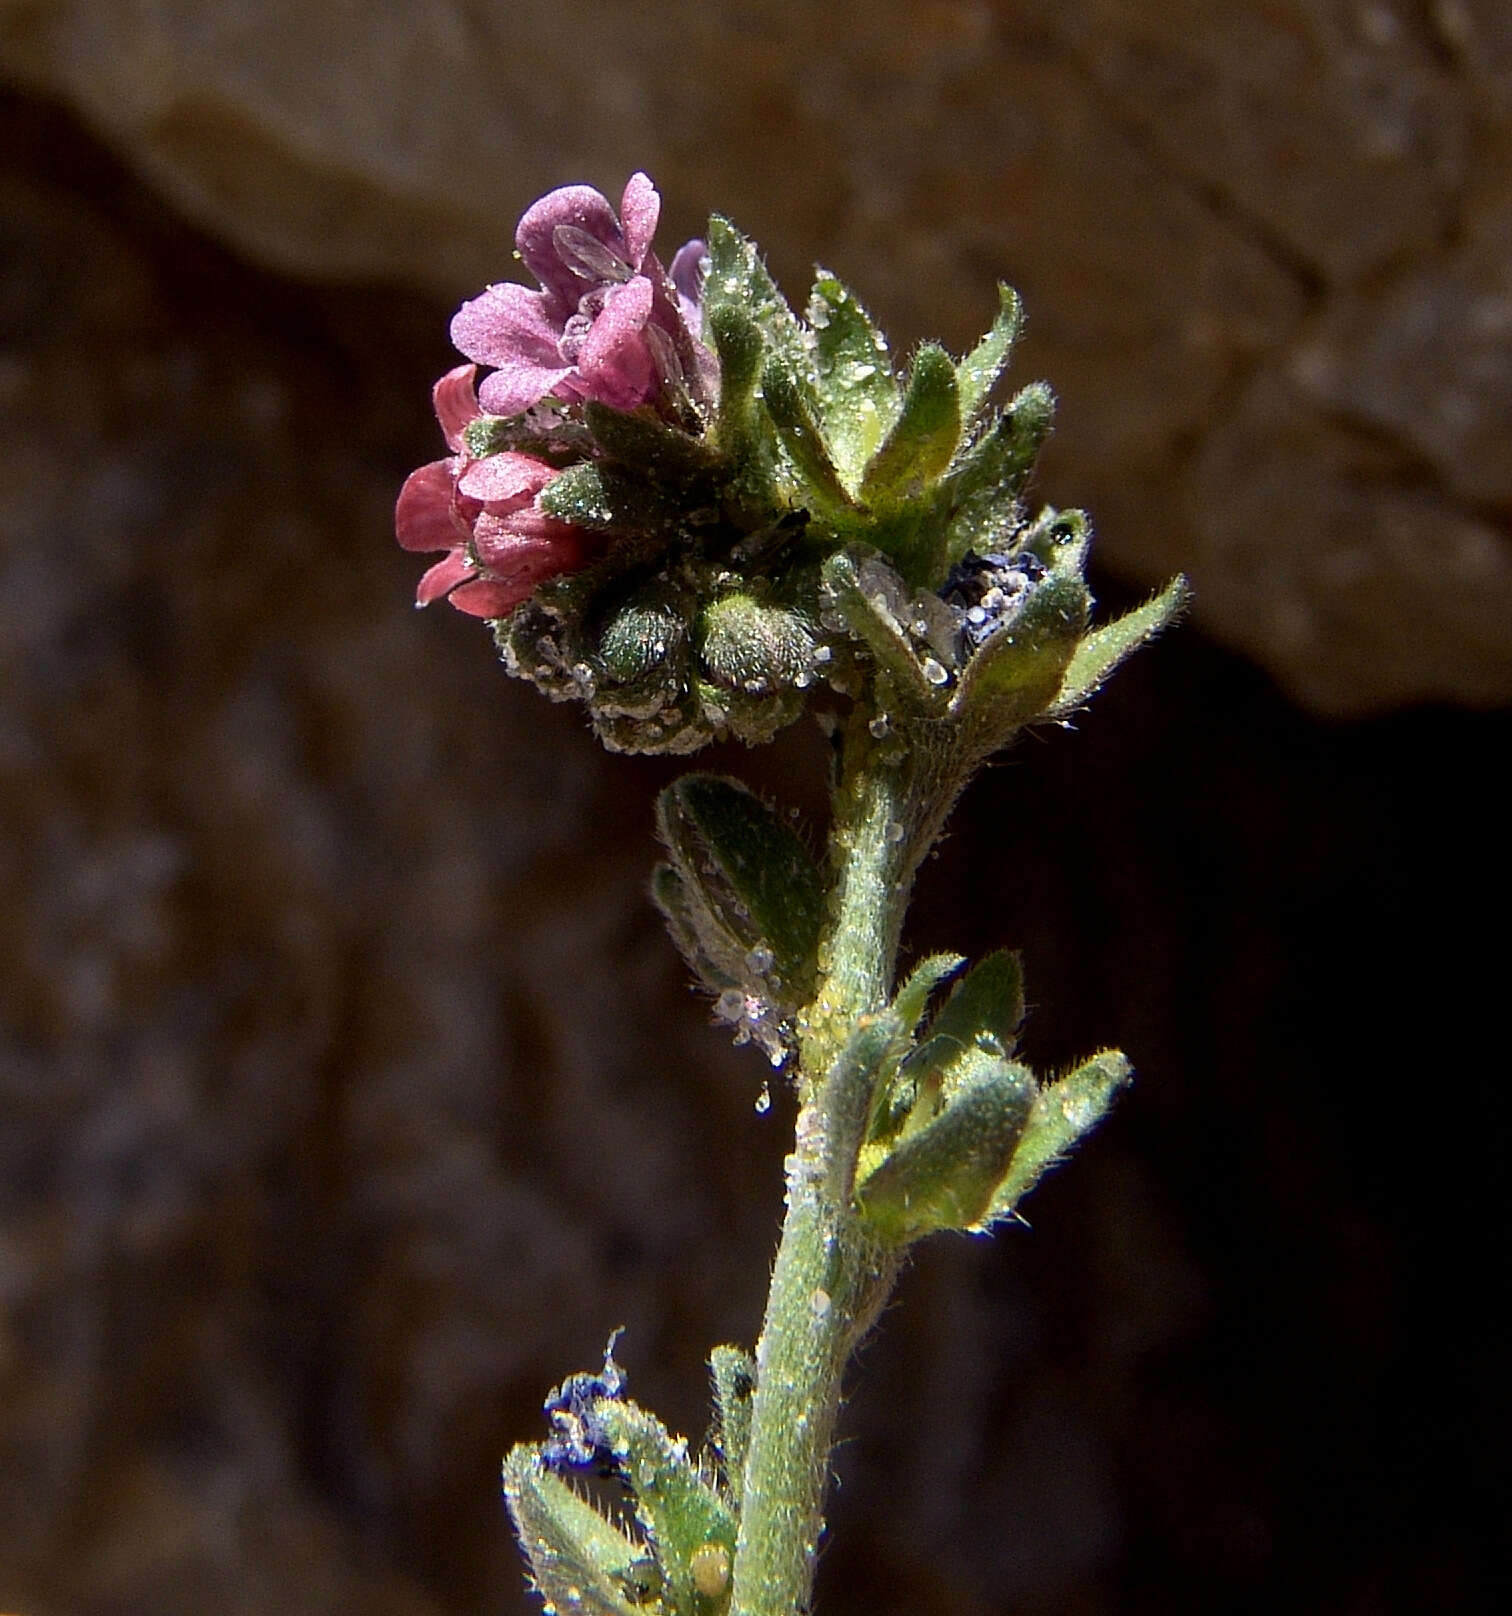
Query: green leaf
x=858, y=397
x=925, y=434
x=1063, y=1112
x=983, y=1012
x=877, y=609
x=1097, y=654
x=582, y=1564
x=943, y=1175
x=714, y=955
x=895, y=1094
x=987, y=1003
x=912, y=998
x=979, y=371
x=734, y=1372
x=746, y=875
x=793, y=407
x=680, y=1510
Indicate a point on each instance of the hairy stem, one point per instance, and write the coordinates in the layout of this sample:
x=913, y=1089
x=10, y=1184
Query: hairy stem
x=831, y=1276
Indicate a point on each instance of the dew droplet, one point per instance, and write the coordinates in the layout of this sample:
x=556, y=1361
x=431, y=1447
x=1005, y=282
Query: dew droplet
x=879, y=726
x=820, y=1302
x=934, y=673
x=895, y=831
x=764, y=1100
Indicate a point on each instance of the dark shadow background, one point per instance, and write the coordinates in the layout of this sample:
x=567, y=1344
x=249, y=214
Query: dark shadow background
x=349, y=1096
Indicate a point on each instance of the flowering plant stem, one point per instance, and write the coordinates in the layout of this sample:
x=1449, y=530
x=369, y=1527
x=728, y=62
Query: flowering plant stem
x=831, y=1275
x=696, y=513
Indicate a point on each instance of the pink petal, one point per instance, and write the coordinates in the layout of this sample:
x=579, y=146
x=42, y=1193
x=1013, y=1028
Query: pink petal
x=486, y=597
x=456, y=401
x=528, y=540
x=505, y=325
x=615, y=364
x=423, y=516
x=446, y=574
x=639, y=209
x=505, y=476
x=581, y=207
x=519, y=386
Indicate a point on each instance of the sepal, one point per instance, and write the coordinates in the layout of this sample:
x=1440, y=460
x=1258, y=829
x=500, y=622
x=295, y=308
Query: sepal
x=645, y=444
x=738, y=279
x=909, y=633
x=1016, y=674
x=742, y=429
x=793, y=406
x=984, y=485
x=609, y=499
x=679, y=1508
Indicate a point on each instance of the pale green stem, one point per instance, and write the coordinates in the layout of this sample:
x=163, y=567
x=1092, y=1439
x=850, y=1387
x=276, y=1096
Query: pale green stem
x=830, y=1277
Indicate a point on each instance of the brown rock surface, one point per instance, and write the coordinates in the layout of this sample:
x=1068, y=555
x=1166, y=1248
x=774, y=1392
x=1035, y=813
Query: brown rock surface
x=1264, y=247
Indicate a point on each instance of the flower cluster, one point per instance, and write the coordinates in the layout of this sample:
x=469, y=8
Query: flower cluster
x=687, y=506
x=484, y=514
x=608, y=325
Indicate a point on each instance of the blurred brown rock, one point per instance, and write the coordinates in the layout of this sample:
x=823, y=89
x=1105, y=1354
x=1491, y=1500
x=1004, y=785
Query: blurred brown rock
x=1264, y=247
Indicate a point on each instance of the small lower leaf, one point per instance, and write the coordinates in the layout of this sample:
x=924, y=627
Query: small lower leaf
x=582, y=1564
x=913, y=997
x=748, y=871
x=943, y=1176
x=1064, y=1112
x=678, y=1507
x=988, y=1002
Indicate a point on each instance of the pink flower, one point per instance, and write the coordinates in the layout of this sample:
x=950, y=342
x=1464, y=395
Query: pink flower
x=608, y=323
x=484, y=514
